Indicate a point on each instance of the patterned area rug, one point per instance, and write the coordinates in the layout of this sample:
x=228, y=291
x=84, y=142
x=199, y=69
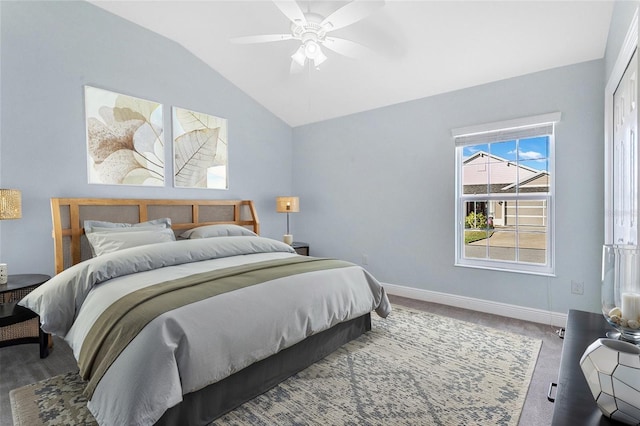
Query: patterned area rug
x=413, y=368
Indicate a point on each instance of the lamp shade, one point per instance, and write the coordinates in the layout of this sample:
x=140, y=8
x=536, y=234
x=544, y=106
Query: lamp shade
x=10, y=204
x=287, y=205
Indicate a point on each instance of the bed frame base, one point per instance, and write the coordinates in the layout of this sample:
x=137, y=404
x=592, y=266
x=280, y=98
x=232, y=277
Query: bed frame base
x=205, y=405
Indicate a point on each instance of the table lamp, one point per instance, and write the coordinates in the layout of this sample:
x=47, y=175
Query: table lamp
x=10, y=208
x=287, y=205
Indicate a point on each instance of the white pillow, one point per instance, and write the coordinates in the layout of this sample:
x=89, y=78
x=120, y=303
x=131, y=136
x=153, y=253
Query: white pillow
x=103, y=242
x=223, y=230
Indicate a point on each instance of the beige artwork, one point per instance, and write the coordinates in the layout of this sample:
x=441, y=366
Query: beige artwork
x=200, y=150
x=124, y=139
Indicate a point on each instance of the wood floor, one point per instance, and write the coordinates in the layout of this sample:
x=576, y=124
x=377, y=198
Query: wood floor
x=21, y=365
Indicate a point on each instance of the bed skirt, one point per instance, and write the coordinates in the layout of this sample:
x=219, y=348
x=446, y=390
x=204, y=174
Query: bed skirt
x=204, y=406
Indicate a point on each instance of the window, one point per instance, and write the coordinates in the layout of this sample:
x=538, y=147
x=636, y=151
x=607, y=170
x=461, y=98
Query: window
x=505, y=195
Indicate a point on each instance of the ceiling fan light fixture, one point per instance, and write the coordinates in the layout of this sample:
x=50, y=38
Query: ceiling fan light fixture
x=319, y=58
x=299, y=57
x=311, y=49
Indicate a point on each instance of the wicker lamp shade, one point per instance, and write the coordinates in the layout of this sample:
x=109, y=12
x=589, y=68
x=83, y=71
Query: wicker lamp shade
x=287, y=204
x=10, y=204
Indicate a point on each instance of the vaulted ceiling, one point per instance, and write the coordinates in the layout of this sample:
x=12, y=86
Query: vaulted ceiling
x=422, y=48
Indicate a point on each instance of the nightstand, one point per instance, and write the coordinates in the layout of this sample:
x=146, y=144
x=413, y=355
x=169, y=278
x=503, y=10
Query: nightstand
x=18, y=324
x=301, y=248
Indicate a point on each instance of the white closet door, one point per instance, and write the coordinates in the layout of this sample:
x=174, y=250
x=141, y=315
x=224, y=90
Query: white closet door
x=625, y=157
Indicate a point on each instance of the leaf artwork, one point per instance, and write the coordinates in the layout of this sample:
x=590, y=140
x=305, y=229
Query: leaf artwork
x=195, y=152
x=200, y=150
x=124, y=139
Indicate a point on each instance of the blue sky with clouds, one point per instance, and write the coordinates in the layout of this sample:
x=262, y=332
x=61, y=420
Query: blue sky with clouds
x=531, y=152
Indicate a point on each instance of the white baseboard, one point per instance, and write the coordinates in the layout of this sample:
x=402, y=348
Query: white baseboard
x=512, y=311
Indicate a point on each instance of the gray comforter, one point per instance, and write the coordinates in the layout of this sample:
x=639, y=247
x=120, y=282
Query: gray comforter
x=191, y=347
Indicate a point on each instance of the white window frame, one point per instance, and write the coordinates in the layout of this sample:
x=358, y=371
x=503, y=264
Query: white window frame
x=520, y=128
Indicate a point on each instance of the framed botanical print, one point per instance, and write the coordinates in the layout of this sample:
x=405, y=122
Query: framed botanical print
x=124, y=139
x=200, y=150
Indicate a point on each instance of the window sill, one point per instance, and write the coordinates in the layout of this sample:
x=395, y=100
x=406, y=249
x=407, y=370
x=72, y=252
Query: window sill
x=506, y=269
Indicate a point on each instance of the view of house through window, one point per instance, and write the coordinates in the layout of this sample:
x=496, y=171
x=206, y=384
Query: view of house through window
x=504, y=199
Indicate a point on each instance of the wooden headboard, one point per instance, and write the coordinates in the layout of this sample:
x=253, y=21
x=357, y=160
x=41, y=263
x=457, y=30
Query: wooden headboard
x=69, y=214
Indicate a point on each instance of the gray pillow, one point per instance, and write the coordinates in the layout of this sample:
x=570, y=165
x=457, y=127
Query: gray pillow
x=89, y=225
x=103, y=242
x=125, y=229
x=224, y=230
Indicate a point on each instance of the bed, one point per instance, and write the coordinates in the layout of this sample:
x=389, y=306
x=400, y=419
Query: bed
x=133, y=297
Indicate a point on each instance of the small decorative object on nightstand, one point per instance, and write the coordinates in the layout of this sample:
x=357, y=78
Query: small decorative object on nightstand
x=18, y=324
x=611, y=369
x=4, y=273
x=301, y=248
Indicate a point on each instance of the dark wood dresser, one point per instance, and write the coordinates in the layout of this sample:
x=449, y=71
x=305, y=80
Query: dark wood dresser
x=574, y=404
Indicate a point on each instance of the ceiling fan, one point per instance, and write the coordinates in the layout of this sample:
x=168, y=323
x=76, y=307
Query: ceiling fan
x=311, y=30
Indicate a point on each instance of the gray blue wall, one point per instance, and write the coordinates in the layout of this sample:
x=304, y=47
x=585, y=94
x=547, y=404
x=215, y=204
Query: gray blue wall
x=620, y=20
x=379, y=183
x=50, y=50
x=382, y=183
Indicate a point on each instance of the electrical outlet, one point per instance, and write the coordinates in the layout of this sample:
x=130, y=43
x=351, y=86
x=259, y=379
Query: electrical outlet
x=577, y=287
x=365, y=259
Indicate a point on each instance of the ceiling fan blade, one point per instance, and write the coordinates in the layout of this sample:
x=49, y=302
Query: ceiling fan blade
x=347, y=48
x=291, y=10
x=350, y=13
x=261, y=38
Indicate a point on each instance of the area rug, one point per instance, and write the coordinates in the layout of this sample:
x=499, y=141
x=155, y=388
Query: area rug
x=412, y=368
